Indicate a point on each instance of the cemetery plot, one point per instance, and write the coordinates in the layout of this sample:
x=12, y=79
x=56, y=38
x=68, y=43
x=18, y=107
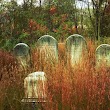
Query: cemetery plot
x=22, y=53
x=76, y=46
x=48, y=48
x=103, y=55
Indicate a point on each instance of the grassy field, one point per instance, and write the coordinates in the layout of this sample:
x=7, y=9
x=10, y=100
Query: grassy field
x=82, y=87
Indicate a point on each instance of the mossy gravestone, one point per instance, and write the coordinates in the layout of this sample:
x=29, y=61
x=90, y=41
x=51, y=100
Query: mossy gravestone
x=22, y=53
x=103, y=55
x=76, y=47
x=48, y=47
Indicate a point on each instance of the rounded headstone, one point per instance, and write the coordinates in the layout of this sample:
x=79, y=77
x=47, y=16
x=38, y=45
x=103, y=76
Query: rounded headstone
x=48, y=47
x=22, y=53
x=103, y=55
x=21, y=49
x=75, y=46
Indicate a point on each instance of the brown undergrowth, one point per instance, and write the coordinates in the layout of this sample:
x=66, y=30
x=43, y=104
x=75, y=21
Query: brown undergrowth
x=81, y=87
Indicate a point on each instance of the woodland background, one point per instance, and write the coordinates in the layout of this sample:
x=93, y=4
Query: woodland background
x=58, y=18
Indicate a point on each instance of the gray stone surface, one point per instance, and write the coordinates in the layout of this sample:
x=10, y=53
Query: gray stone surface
x=75, y=46
x=35, y=86
x=22, y=53
x=48, y=47
x=103, y=55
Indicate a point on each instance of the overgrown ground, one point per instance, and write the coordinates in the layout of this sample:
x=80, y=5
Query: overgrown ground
x=82, y=87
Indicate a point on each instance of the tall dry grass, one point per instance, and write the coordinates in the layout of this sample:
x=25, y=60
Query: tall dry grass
x=83, y=87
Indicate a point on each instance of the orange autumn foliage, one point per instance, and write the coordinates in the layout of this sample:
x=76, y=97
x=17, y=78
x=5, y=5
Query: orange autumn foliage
x=33, y=26
x=53, y=10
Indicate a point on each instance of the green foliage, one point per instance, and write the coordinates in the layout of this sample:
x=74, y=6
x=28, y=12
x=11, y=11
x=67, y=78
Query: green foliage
x=27, y=22
x=105, y=27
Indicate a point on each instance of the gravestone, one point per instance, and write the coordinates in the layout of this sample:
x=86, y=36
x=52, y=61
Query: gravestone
x=35, y=91
x=48, y=47
x=76, y=46
x=22, y=53
x=103, y=55
x=35, y=87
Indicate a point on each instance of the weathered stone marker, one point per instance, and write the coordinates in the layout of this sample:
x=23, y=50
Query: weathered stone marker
x=22, y=53
x=34, y=85
x=48, y=47
x=76, y=46
x=103, y=55
x=35, y=89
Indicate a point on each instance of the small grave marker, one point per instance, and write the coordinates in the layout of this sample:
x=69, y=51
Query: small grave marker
x=22, y=53
x=34, y=85
x=35, y=90
x=103, y=55
x=48, y=47
x=76, y=45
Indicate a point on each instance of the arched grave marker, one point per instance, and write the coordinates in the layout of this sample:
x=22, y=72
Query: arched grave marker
x=22, y=53
x=75, y=45
x=103, y=55
x=48, y=47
